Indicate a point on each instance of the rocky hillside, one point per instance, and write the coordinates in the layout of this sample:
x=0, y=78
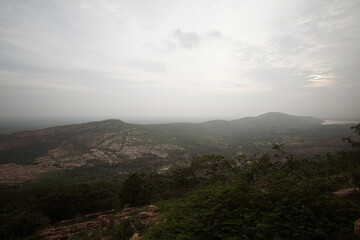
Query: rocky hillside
x=27, y=153
x=70, y=146
x=105, y=225
x=24, y=155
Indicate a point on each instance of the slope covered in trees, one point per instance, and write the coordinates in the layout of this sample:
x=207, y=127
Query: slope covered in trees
x=272, y=196
x=114, y=144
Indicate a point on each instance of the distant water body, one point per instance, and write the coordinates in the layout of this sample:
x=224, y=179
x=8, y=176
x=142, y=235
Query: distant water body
x=330, y=122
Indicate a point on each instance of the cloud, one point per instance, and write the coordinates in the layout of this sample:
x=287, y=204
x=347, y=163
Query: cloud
x=145, y=65
x=214, y=34
x=187, y=39
x=322, y=80
x=310, y=46
x=227, y=48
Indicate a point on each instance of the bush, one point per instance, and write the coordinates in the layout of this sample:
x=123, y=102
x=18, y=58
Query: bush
x=290, y=206
x=20, y=221
x=135, y=190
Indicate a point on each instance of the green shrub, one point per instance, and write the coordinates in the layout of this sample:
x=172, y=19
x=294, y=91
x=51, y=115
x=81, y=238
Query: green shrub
x=288, y=206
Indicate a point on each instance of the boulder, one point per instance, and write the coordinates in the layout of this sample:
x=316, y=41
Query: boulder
x=344, y=193
x=135, y=237
x=357, y=228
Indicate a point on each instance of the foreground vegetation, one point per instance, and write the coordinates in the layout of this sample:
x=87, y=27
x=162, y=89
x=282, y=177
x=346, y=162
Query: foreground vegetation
x=274, y=196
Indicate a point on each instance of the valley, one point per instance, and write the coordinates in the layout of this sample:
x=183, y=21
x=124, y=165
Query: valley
x=115, y=180
x=124, y=147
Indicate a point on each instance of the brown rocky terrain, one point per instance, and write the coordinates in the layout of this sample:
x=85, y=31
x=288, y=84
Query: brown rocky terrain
x=357, y=228
x=111, y=142
x=73, y=145
x=104, y=224
x=24, y=155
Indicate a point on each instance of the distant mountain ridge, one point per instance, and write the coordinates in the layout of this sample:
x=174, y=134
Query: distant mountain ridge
x=116, y=142
x=278, y=120
x=271, y=120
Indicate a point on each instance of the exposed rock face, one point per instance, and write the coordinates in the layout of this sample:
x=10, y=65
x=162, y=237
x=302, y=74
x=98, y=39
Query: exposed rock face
x=357, y=228
x=111, y=142
x=345, y=193
x=110, y=148
x=101, y=222
x=135, y=237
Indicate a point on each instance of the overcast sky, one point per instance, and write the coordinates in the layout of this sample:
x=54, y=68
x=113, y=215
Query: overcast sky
x=179, y=59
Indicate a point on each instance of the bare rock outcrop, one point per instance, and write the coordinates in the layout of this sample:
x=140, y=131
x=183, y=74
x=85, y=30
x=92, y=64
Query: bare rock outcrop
x=357, y=228
x=346, y=193
x=71, y=146
x=102, y=222
x=136, y=236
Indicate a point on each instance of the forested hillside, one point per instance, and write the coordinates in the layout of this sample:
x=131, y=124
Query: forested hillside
x=115, y=146
x=271, y=196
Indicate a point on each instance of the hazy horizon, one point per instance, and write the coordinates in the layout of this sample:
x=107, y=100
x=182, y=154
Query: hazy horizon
x=179, y=60
x=151, y=119
x=54, y=121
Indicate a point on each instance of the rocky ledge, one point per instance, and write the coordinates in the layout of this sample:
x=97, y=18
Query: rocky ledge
x=103, y=224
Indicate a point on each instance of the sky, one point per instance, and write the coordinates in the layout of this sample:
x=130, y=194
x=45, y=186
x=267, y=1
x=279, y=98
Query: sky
x=179, y=59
